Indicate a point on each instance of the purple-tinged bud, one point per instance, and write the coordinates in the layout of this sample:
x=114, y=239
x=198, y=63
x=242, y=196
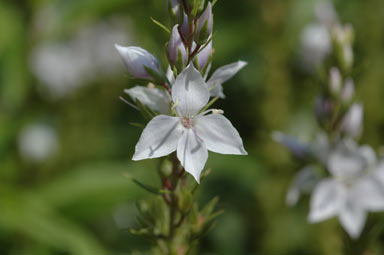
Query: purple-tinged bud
x=298, y=149
x=335, y=81
x=204, y=25
x=175, y=9
x=185, y=29
x=203, y=59
x=323, y=109
x=138, y=61
x=353, y=119
x=348, y=91
x=177, y=54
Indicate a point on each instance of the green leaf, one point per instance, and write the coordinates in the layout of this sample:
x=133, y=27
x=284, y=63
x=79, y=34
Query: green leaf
x=27, y=214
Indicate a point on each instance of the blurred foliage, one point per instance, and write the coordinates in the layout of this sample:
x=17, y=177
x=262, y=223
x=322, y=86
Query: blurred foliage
x=78, y=201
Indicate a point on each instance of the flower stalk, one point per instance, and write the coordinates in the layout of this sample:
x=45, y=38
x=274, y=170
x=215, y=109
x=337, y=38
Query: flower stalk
x=345, y=179
x=180, y=129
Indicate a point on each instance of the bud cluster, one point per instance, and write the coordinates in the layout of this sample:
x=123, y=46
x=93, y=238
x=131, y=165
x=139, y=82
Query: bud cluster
x=191, y=35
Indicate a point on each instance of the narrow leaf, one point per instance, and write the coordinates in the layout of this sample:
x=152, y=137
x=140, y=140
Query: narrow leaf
x=160, y=25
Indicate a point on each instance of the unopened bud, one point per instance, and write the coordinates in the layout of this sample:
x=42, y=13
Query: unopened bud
x=323, y=109
x=347, y=55
x=343, y=38
x=348, y=91
x=204, y=25
x=175, y=9
x=185, y=27
x=166, y=168
x=335, y=81
x=204, y=57
x=297, y=148
x=139, y=61
x=177, y=53
x=352, y=122
x=185, y=201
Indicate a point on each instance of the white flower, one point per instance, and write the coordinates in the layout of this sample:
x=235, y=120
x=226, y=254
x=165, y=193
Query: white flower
x=136, y=59
x=220, y=76
x=191, y=133
x=353, y=189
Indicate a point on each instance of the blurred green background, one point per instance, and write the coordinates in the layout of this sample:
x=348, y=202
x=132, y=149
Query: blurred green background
x=66, y=142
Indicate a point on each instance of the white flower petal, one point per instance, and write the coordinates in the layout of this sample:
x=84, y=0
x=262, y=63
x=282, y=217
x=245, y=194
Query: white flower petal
x=379, y=172
x=352, y=217
x=304, y=182
x=346, y=161
x=222, y=75
x=190, y=92
x=368, y=154
x=369, y=192
x=156, y=99
x=159, y=138
x=192, y=153
x=219, y=135
x=326, y=200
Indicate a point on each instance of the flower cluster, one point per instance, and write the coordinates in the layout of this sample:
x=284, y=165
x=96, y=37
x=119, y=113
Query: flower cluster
x=346, y=180
x=179, y=97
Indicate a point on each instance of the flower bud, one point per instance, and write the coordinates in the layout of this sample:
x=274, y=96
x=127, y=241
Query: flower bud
x=138, y=61
x=298, y=149
x=185, y=201
x=177, y=53
x=348, y=91
x=175, y=9
x=203, y=59
x=323, y=109
x=335, y=80
x=185, y=29
x=343, y=37
x=204, y=25
x=353, y=119
x=347, y=56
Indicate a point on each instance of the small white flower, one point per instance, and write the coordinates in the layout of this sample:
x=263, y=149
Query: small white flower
x=353, y=189
x=191, y=133
x=136, y=59
x=156, y=99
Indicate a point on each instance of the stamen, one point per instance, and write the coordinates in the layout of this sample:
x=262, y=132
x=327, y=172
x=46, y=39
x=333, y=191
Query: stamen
x=213, y=111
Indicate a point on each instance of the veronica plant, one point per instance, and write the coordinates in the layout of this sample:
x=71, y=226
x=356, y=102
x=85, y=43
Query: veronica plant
x=181, y=128
x=345, y=180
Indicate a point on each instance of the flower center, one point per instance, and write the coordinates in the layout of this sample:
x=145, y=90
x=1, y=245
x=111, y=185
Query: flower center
x=187, y=122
